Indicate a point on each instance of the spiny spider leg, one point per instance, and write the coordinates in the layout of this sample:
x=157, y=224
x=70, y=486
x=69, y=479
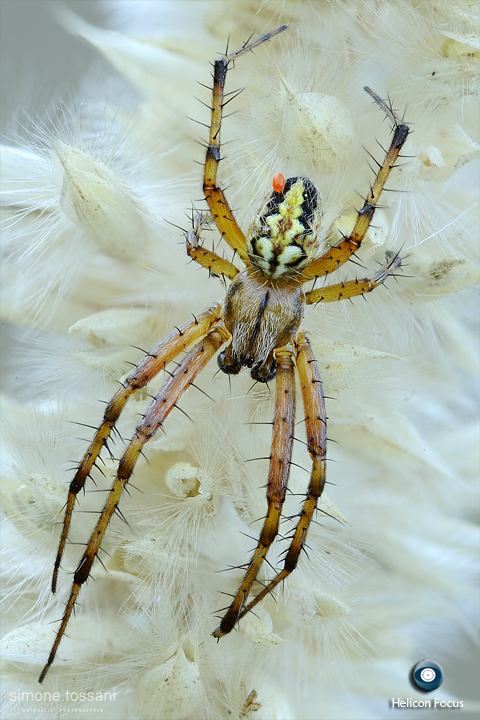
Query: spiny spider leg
x=219, y=207
x=342, y=251
x=316, y=428
x=144, y=372
x=170, y=392
x=352, y=288
x=279, y=470
x=206, y=258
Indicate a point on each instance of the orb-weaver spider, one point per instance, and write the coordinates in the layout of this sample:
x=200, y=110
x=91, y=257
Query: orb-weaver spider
x=259, y=322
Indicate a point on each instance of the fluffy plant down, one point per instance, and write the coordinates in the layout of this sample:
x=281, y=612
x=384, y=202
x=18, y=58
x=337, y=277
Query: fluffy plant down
x=94, y=268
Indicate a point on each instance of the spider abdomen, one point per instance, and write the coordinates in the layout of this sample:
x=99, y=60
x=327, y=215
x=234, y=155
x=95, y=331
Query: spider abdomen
x=261, y=315
x=284, y=236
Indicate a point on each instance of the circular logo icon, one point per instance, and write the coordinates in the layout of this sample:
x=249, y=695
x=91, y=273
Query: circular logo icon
x=427, y=675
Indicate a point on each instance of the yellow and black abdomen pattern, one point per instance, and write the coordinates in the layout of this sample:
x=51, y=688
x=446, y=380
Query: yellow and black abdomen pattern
x=284, y=236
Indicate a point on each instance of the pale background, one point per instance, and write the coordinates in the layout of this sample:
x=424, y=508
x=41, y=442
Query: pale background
x=36, y=52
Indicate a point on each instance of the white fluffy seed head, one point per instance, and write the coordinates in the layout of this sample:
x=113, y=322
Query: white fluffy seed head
x=185, y=480
x=101, y=204
x=400, y=367
x=319, y=123
x=172, y=690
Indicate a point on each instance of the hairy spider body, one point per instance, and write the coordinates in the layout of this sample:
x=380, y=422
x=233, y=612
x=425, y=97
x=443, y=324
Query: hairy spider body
x=265, y=304
x=259, y=325
x=261, y=315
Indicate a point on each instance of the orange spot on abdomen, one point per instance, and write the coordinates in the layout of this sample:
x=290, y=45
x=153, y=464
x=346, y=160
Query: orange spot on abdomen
x=278, y=182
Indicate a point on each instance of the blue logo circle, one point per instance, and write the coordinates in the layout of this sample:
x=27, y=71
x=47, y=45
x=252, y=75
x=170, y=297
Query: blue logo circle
x=427, y=675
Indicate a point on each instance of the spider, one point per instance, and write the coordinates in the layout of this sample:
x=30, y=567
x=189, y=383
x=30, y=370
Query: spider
x=259, y=325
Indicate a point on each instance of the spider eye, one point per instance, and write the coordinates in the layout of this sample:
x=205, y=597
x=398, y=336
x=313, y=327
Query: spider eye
x=278, y=183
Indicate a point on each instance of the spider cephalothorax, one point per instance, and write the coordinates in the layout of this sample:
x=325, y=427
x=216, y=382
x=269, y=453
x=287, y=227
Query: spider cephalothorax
x=259, y=325
x=261, y=315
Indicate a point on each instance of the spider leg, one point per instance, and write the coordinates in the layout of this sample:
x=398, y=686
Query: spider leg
x=352, y=288
x=342, y=251
x=206, y=258
x=219, y=207
x=279, y=470
x=170, y=392
x=316, y=428
x=145, y=371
